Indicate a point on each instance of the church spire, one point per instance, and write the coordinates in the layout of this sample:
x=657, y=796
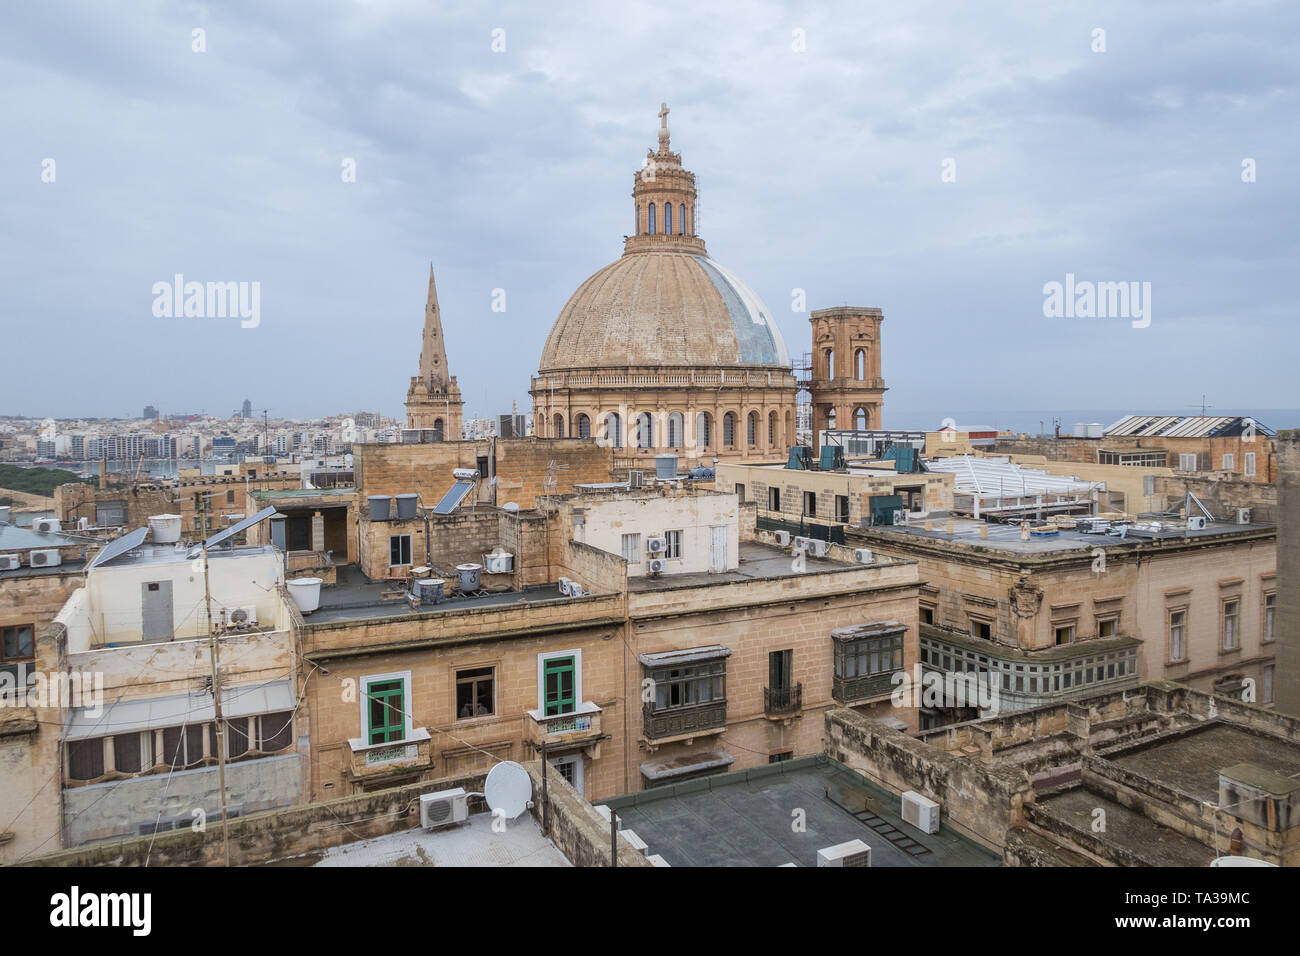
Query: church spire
x=433, y=353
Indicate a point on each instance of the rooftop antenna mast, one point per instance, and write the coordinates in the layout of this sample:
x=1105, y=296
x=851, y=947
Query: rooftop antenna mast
x=1203, y=406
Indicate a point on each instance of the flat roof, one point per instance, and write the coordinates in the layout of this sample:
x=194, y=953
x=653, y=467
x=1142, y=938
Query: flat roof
x=472, y=843
x=16, y=538
x=757, y=561
x=1128, y=829
x=1190, y=761
x=743, y=818
x=275, y=493
x=1006, y=537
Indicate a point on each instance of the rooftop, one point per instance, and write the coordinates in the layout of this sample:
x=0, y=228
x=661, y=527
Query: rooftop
x=745, y=819
x=474, y=843
x=15, y=538
x=1006, y=537
x=357, y=598
x=757, y=561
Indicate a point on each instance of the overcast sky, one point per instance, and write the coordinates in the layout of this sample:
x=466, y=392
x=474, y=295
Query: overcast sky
x=819, y=169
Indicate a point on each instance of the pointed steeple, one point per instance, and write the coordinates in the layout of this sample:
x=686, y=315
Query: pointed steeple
x=433, y=353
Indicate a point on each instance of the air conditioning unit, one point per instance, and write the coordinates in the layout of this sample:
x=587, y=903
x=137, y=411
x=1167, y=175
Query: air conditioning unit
x=862, y=555
x=782, y=538
x=655, y=545
x=635, y=479
x=853, y=853
x=8, y=562
x=1196, y=523
x=239, y=616
x=900, y=516
x=656, y=565
x=803, y=544
x=47, y=525
x=819, y=548
x=921, y=812
x=1243, y=516
x=444, y=808
x=45, y=559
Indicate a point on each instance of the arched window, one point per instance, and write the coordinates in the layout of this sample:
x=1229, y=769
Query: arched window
x=684, y=228
x=645, y=431
x=703, y=430
x=636, y=230
x=860, y=419
x=437, y=430
x=860, y=360
x=613, y=430
x=650, y=226
x=559, y=426
x=751, y=428
x=830, y=363
x=830, y=418
x=584, y=426
x=668, y=219
x=729, y=429
x=771, y=429
x=675, y=430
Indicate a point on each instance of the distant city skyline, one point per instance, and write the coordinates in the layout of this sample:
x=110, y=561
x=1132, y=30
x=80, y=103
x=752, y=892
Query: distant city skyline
x=964, y=165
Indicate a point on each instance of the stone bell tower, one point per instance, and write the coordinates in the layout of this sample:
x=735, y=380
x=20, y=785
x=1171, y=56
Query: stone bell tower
x=433, y=400
x=846, y=389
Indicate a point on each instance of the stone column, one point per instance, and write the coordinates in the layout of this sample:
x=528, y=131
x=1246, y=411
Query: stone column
x=318, y=532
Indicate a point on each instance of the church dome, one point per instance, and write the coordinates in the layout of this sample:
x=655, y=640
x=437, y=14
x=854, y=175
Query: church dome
x=664, y=308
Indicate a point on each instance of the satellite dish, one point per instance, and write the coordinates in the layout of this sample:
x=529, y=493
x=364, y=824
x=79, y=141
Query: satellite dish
x=508, y=789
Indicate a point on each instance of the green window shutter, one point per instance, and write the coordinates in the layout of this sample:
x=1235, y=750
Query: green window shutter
x=558, y=678
x=387, y=717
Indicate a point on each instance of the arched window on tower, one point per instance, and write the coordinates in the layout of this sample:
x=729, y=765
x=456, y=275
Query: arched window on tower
x=685, y=227
x=645, y=431
x=830, y=418
x=703, y=430
x=771, y=429
x=650, y=224
x=636, y=230
x=437, y=430
x=860, y=419
x=860, y=360
x=668, y=219
x=613, y=430
x=830, y=363
x=584, y=426
x=729, y=429
x=675, y=430
x=559, y=426
x=751, y=428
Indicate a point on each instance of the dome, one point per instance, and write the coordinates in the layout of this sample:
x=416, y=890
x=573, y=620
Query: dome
x=664, y=308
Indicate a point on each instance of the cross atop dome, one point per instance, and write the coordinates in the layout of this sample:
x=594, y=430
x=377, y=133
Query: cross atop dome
x=663, y=127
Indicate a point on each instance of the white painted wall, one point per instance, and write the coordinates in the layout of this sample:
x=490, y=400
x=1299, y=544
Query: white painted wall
x=607, y=520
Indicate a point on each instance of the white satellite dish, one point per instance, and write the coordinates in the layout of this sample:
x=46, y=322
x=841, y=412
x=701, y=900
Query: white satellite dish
x=508, y=789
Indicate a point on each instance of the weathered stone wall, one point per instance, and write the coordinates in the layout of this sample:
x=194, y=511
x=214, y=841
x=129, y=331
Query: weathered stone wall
x=579, y=832
x=1288, y=567
x=1223, y=496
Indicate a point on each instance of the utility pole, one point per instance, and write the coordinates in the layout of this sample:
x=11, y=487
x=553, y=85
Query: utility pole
x=214, y=653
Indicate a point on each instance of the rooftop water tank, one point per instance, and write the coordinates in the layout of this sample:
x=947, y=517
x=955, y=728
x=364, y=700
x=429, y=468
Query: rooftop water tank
x=499, y=561
x=379, y=507
x=305, y=593
x=665, y=466
x=429, y=590
x=406, y=506
x=165, y=529
x=469, y=576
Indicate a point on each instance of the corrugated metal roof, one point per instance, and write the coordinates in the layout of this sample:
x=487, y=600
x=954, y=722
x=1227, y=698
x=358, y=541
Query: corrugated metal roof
x=998, y=476
x=1183, y=426
x=147, y=713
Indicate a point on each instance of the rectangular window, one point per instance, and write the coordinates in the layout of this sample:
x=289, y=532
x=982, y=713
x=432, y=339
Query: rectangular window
x=701, y=683
x=842, y=509
x=981, y=629
x=632, y=548
x=559, y=686
x=399, y=550
x=1230, y=625
x=1227, y=462
x=133, y=753
x=1269, y=602
x=275, y=732
x=385, y=711
x=869, y=657
x=183, y=746
x=673, y=544
x=1266, y=692
x=1187, y=462
x=1177, y=636
x=474, y=693
x=774, y=499
x=230, y=497
x=927, y=615
x=86, y=759
x=236, y=738
x=1064, y=633
x=780, y=664
x=740, y=492
x=809, y=503
x=16, y=643
x=781, y=757
x=1250, y=464
x=1106, y=627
